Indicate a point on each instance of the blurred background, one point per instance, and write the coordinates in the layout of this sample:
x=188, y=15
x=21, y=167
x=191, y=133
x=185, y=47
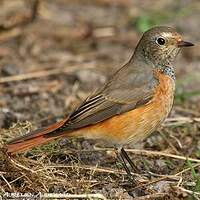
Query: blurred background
x=95, y=37
x=53, y=53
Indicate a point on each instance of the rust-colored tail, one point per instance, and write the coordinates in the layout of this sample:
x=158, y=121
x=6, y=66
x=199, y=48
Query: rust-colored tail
x=34, y=138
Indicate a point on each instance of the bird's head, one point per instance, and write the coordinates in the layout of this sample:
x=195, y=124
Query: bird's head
x=160, y=45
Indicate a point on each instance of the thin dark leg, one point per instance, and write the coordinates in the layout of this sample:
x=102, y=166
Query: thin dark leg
x=125, y=155
x=122, y=156
x=123, y=162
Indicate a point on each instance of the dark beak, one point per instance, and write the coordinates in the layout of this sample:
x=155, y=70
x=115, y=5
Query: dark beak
x=184, y=44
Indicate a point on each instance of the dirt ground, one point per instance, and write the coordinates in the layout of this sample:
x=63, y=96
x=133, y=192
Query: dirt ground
x=53, y=53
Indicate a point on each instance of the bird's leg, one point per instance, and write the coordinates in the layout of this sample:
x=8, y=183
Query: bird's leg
x=125, y=155
x=122, y=160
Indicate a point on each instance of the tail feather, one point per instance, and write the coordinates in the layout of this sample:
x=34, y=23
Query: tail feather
x=33, y=138
x=27, y=144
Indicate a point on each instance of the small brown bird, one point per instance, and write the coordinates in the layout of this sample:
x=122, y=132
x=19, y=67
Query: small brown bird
x=130, y=106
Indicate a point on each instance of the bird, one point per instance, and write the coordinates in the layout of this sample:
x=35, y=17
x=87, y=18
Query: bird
x=131, y=105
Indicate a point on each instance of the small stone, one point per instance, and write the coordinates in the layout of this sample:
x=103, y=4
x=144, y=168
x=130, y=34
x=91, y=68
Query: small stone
x=7, y=118
x=9, y=70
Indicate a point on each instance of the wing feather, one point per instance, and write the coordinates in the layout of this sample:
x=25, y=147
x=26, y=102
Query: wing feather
x=129, y=88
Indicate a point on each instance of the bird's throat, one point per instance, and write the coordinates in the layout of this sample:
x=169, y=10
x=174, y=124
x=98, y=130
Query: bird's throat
x=169, y=71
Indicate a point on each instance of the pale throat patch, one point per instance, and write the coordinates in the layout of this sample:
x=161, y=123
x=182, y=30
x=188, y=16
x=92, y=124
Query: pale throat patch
x=169, y=70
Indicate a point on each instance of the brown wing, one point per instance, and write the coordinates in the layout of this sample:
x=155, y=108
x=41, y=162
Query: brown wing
x=129, y=88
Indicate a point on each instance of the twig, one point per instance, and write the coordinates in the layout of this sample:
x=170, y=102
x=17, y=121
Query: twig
x=169, y=142
x=152, y=182
x=152, y=196
x=173, y=177
x=152, y=153
x=6, y=181
x=93, y=168
x=188, y=191
x=71, y=196
x=157, y=153
x=10, y=34
x=177, y=121
x=22, y=167
x=180, y=181
x=17, y=179
x=187, y=169
x=187, y=111
x=176, y=139
x=43, y=73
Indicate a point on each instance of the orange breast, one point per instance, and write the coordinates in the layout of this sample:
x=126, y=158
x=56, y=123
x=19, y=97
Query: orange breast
x=136, y=124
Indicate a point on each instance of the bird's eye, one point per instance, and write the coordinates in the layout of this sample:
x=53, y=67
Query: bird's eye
x=160, y=41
